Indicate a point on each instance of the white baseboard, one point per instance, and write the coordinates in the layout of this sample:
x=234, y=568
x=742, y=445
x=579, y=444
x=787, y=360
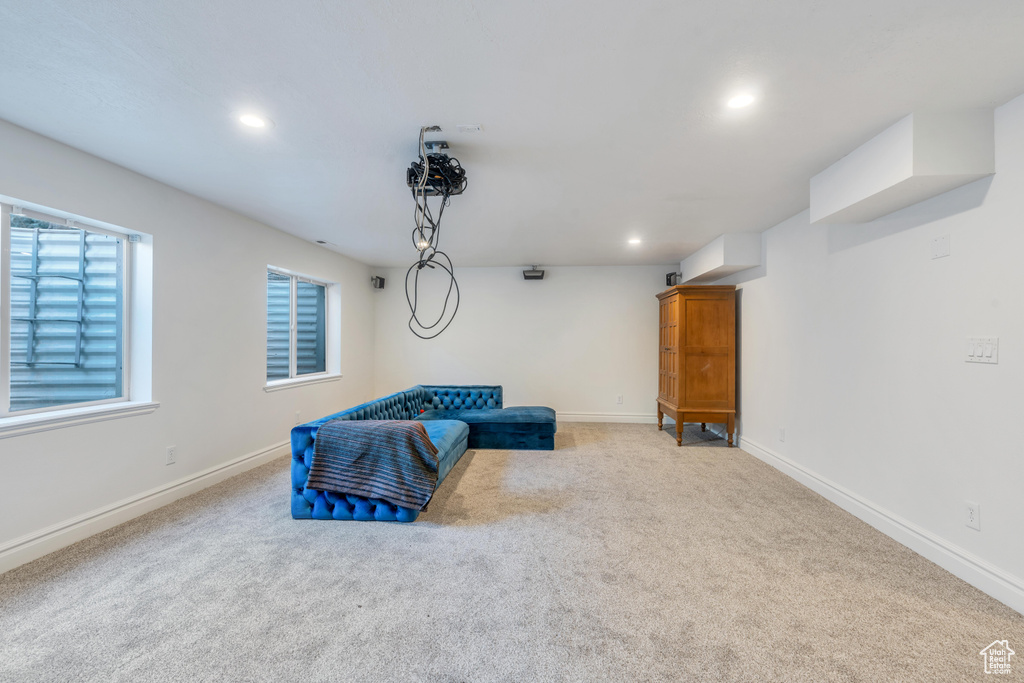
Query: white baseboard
x=45, y=541
x=984, y=576
x=634, y=418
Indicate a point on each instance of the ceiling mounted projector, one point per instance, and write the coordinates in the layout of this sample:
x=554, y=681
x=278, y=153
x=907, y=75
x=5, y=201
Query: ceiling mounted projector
x=435, y=173
x=533, y=274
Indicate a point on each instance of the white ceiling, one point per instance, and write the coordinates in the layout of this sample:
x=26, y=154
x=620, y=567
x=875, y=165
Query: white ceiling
x=602, y=120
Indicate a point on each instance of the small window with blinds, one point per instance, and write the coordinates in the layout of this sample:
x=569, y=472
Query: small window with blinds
x=296, y=326
x=66, y=314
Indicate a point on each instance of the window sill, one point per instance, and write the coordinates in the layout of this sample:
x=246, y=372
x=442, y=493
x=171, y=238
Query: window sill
x=58, y=419
x=278, y=385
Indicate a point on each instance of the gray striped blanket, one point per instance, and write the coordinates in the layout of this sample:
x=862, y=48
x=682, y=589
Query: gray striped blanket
x=391, y=460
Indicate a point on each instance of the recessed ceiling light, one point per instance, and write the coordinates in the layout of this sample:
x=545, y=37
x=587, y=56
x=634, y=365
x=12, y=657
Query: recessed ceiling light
x=740, y=101
x=254, y=121
x=635, y=240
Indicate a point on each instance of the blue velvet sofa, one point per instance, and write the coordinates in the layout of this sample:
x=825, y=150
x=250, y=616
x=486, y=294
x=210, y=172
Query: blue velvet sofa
x=456, y=418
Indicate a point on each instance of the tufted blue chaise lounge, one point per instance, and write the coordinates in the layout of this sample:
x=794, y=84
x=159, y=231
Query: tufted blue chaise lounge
x=490, y=425
x=456, y=418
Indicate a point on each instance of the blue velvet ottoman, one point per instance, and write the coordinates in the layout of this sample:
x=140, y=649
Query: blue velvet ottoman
x=516, y=428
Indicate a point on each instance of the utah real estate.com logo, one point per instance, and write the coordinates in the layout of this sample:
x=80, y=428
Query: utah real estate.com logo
x=997, y=657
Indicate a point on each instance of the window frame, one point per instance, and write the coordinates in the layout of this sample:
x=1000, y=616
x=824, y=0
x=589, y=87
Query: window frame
x=331, y=330
x=130, y=402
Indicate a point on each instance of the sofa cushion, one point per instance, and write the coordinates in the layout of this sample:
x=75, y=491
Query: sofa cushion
x=446, y=435
x=518, y=419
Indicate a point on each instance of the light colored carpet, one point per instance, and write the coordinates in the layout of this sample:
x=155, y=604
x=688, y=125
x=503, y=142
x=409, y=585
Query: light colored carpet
x=616, y=557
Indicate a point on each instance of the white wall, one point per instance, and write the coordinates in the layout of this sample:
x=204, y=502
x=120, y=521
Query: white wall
x=854, y=339
x=209, y=351
x=573, y=341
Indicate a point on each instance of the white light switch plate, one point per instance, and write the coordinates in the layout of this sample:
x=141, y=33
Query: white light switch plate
x=982, y=349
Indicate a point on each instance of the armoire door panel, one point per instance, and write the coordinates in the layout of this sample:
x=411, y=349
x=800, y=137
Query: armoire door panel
x=709, y=322
x=668, y=374
x=668, y=340
x=707, y=379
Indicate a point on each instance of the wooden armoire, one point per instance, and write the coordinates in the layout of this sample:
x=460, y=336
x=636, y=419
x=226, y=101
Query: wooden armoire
x=697, y=356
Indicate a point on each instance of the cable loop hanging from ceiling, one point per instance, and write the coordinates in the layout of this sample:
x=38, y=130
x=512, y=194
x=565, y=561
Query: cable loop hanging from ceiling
x=434, y=175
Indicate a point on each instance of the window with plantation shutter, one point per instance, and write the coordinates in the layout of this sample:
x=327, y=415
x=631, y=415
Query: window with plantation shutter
x=296, y=326
x=76, y=319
